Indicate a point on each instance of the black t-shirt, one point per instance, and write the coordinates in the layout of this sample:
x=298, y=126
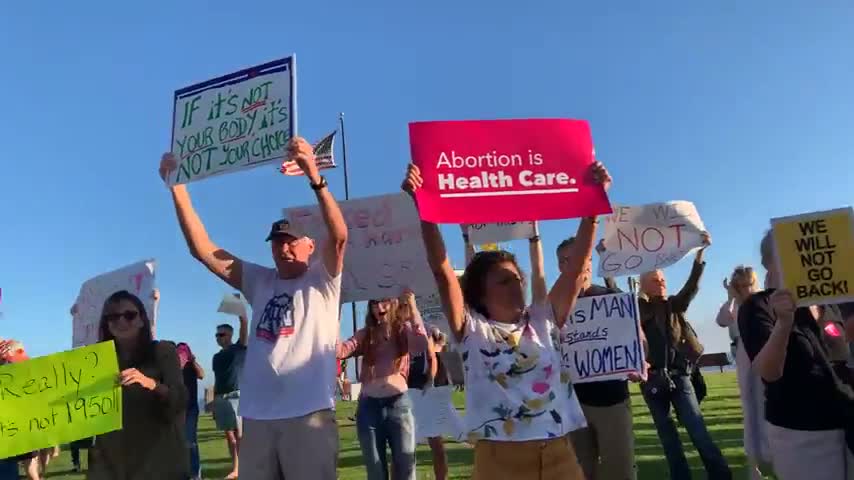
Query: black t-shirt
x=191, y=381
x=807, y=396
x=227, y=365
x=609, y=392
x=419, y=370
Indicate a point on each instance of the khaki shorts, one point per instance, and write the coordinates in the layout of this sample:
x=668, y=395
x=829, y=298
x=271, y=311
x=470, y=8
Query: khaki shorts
x=302, y=448
x=552, y=459
x=606, y=448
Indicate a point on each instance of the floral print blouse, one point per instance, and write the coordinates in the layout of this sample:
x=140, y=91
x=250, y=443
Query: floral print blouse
x=515, y=390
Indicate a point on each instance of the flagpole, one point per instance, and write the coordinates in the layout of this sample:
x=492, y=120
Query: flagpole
x=347, y=197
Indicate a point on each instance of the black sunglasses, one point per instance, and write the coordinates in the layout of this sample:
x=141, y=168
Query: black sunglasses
x=129, y=315
x=218, y=335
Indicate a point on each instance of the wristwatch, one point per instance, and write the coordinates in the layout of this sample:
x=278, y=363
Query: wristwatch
x=319, y=186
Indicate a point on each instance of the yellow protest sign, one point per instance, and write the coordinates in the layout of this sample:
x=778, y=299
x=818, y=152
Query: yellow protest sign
x=59, y=398
x=489, y=247
x=815, y=253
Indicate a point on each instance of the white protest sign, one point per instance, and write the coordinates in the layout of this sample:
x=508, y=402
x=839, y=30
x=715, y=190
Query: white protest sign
x=137, y=279
x=232, y=304
x=601, y=339
x=234, y=122
x=385, y=252
x=482, y=233
x=649, y=237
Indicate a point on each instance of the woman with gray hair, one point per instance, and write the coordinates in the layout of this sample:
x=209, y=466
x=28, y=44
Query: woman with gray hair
x=807, y=403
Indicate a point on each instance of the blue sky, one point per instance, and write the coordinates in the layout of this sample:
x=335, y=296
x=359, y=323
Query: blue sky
x=741, y=107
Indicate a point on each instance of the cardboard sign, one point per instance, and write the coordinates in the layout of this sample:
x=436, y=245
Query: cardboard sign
x=649, y=237
x=137, y=279
x=483, y=233
x=601, y=339
x=490, y=171
x=241, y=120
x=385, y=252
x=815, y=253
x=232, y=304
x=59, y=398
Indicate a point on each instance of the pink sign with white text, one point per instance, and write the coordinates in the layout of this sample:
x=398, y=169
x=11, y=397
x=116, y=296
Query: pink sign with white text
x=486, y=171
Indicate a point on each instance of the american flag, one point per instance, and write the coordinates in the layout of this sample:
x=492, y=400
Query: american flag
x=324, y=154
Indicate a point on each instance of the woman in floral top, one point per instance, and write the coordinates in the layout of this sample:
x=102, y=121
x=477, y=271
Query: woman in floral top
x=519, y=407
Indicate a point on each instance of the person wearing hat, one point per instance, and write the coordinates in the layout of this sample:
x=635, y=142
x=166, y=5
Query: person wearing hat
x=289, y=424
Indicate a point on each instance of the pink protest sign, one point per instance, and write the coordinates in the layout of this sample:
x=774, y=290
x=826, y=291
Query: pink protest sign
x=488, y=171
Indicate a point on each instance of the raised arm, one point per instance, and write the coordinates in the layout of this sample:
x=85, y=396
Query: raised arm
x=219, y=261
x=539, y=291
x=243, y=339
x=200, y=372
x=302, y=153
x=565, y=290
x=682, y=300
x=437, y=257
x=416, y=335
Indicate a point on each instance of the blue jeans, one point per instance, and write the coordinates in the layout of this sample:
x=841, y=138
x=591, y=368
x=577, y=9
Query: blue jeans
x=687, y=409
x=8, y=470
x=192, y=429
x=387, y=421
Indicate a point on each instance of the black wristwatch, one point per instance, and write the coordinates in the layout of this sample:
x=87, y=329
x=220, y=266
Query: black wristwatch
x=319, y=186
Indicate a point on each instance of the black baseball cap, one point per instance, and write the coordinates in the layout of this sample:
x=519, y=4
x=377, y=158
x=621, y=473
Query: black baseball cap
x=284, y=228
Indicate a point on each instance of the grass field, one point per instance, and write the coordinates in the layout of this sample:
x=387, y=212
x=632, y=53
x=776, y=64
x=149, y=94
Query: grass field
x=722, y=411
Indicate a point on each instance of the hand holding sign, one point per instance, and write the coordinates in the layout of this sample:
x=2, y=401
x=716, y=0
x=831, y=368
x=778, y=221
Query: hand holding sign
x=301, y=152
x=413, y=181
x=132, y=376
x=168, y=164
x=601, y=175
x=783, y=304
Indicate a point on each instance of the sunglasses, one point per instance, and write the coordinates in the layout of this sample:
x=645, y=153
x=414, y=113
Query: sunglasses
x=129, y=315
x=220, y=335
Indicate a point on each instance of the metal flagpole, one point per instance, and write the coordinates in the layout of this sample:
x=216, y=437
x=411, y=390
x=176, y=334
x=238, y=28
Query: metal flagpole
x=347, y=197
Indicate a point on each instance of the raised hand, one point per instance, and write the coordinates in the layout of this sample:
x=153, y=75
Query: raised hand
x=783, y=304
x=301, y=152
x=168, y=164
x=601, y=175
x=706, y=238
x=413, y=180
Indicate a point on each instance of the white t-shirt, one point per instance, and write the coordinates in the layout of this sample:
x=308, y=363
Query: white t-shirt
x=292, y=341
x=514, y=387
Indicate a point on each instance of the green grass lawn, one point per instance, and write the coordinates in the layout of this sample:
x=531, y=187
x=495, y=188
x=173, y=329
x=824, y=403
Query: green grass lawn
x=722, y=411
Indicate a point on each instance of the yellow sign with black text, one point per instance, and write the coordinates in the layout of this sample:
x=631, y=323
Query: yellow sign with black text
x=815, y=254
x=52, y=400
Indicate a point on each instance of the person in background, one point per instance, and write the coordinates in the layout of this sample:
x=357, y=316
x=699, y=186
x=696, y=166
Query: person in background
x=286, y=390
x=151, y=443
x=606, y=447
x=393, y=331
x=673, y=350
x=227, y=368
x=741, y=285
x=12, y=351
x=192, y=372
x=518, y=406
x=806, y=404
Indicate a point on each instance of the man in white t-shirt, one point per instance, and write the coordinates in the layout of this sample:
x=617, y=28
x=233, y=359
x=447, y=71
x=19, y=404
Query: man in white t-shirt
x=289, y=428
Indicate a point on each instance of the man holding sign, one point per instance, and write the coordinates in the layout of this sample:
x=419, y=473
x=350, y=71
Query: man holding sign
x=286, y=405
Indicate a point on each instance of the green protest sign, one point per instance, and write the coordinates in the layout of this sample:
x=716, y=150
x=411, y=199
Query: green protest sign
x=59, y=398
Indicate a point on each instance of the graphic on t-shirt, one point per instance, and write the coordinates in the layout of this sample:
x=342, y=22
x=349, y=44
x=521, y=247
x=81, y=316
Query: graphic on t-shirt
x=277, y=319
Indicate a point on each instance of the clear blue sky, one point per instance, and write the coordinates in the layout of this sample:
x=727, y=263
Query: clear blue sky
x=737, y=106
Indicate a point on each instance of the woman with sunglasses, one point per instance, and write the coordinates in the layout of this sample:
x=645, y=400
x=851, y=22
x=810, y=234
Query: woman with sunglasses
x=518, y=405
x=151, y=443
x=393, y=330
x=740, y=286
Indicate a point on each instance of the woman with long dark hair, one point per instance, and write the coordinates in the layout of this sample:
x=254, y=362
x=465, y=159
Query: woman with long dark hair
x=151, y=443
x=393, y=330
x=519, y=407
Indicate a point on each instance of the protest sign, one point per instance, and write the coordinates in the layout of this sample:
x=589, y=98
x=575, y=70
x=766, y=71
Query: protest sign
x=490, y=171
x=385, y=252
x=232, y=304
x=241, y=120
x=815, y=253
x=649, y=237
x=601, y=339
x=52, y=400
x=482, y=233
x=137, y=279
